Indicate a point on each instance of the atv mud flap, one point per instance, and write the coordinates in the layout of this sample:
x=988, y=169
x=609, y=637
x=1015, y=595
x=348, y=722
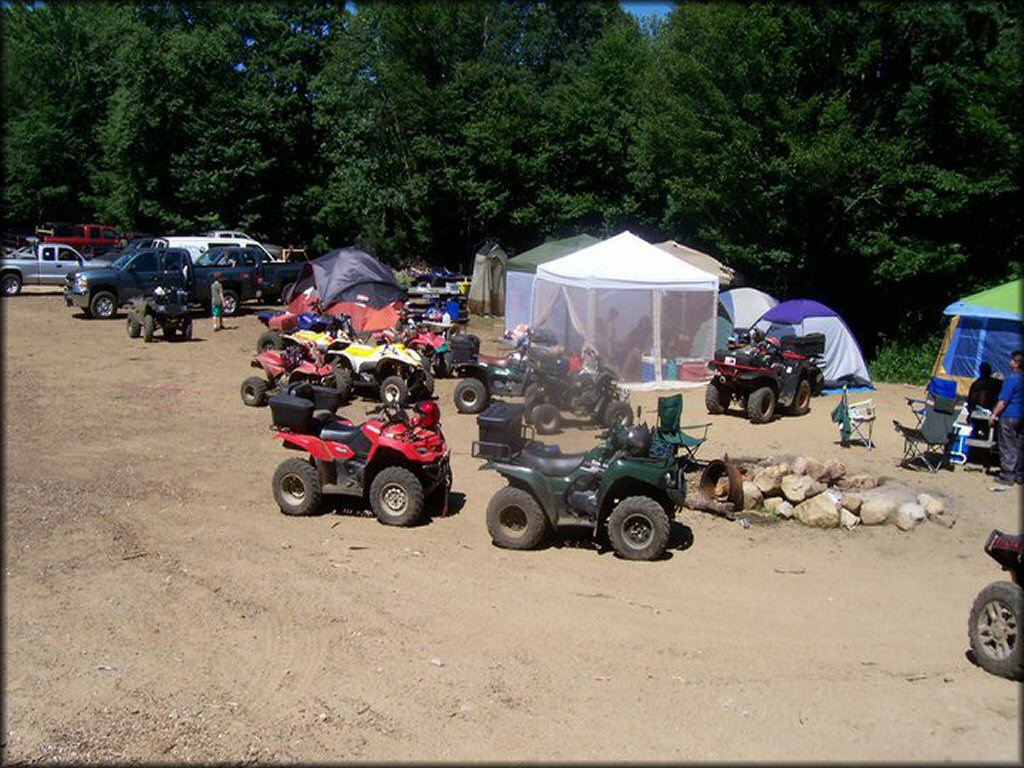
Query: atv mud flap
x=439, y=474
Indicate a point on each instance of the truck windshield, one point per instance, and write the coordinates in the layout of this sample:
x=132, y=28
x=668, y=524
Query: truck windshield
x=208, y=259
x=123, y=259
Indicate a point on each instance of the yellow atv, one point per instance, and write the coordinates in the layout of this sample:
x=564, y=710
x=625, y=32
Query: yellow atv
x=392, y=372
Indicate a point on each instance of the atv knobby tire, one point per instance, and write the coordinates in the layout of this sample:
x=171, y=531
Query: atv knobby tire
x=134, y=328
x=396, y=497
x=515, y=519
x=716, y=398
x=297, y=488
x=148, y=328
x=761, y=405
x=269, y=340
x=638, y=528
x=254, y=391
x=470, y=396
x=994, y=629
x=801, y=400
x=546, y=419
x=341, y=380
x=617, y=411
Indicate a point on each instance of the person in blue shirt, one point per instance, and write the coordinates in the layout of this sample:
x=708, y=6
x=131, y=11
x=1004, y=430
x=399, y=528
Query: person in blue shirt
x=1010, y=412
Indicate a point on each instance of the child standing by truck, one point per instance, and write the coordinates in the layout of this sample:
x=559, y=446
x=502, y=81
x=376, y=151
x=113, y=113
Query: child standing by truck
x=217, y=302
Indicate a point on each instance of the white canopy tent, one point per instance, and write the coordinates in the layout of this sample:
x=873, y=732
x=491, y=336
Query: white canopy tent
x=650, y=315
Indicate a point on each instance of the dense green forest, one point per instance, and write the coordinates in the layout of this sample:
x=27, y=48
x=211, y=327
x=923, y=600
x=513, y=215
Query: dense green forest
x=867, y=155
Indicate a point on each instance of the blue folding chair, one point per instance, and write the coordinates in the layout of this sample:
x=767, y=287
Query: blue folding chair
x=937, y=387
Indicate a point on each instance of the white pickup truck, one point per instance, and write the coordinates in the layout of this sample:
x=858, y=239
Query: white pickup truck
x=41, y=264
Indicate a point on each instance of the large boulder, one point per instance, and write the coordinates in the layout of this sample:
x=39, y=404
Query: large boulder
x=815, y=469
x=768, y=481
x=784, y=509
x=908, y=516
x=772, y=503
x=818, y=512
x=799, y=466
x=877, y=511
x=931, y=505
x=834, y=471
x=856, y=482
x=752, y=495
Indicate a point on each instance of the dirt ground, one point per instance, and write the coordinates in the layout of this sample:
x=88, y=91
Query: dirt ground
x=159, y=608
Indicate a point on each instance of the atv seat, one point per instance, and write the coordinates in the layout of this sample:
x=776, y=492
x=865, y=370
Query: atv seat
x=552, y=464
x=337, y=432
x=501, y=362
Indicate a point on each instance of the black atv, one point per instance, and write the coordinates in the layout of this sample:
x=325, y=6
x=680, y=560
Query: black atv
x=593, y=392
x=766, y=374
x=167, y=309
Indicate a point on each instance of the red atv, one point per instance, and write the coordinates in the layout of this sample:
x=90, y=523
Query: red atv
x=399, y=464
x=296, y=362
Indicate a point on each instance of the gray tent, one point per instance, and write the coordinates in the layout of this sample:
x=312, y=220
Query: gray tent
x=487, y=288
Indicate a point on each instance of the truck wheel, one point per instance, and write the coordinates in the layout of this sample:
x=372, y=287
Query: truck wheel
x=802, y=399
x=716, y=398
x=254, y=391
x=994, y=629
x=269, y=340
x=230, y=302
x=394, y=390
x=103, y=305
x=284, y=292
x=297, y=488
x=617, y=412
x=470, y=396
x=546, y=419
x=515, y=520
x=396, y=496
x=342, y=381
x=134, y=328
x=11, y=284
x=638, y=528
x=761, y=405
x=148, y=328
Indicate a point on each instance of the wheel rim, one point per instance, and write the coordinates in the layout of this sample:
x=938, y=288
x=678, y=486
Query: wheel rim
x=997, y=630
x=394, y=500
x=513, y=520
x=392, y=393
x=293, y=489
x=469, y=397
x=805, y=395
x=104, y=307
x=637, y=531
x=230, y=305
x=10, y=286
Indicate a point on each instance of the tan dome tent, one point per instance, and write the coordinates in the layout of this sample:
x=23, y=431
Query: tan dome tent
x=726, y=274
x=487, y=286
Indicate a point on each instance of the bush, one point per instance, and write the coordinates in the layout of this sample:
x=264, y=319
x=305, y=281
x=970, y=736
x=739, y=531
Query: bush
x=905, y=361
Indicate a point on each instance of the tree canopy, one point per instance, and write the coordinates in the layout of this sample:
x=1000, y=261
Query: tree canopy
x=867, y=155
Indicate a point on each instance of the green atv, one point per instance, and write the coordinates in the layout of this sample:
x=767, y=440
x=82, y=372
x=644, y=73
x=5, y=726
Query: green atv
x=628, y=485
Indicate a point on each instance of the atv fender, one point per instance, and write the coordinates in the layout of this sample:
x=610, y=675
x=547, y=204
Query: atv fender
x=630, y=479
x=315, y=447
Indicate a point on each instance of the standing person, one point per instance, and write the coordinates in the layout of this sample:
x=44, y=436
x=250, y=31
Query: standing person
x=217, y=302
x=1010, y=412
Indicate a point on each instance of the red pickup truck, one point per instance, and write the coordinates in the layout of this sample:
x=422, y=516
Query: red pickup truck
x=89, y=239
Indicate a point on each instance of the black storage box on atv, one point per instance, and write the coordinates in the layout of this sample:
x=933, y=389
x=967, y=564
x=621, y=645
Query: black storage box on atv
x=291, y=412
x=323, y=398
x=548, y=362
x=501, y=431
x=465, y=348
x=808, y=346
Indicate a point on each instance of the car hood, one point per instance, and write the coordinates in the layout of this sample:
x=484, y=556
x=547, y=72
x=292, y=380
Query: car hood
x=94, y=273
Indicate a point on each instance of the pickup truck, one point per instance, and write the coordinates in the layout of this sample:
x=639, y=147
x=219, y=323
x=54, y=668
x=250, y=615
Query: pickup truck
x=100, y=292
x=41, y=264
x=240, y=275
x=271, y=277
x=89, y=239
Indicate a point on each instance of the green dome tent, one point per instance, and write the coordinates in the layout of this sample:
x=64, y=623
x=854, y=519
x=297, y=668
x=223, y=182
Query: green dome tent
x=985, y=326
x=523, y=268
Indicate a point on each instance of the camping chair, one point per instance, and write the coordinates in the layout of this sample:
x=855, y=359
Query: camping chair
x=937, y=387
x=862, y=414
x=931, y=437
x=669, y=433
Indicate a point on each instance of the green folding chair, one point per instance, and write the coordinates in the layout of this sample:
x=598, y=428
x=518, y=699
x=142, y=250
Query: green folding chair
x=670, y=433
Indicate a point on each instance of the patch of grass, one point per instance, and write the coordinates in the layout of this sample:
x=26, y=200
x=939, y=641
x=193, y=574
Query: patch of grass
x=905, y=361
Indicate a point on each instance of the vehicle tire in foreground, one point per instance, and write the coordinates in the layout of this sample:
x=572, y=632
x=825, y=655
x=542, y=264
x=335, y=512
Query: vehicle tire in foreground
x=269, y=340
x=470, y=396
x=396, y=497
x=254, y=391
x=134, y=328
x=546, y=419
x=103, y=305
x=515, y=520
x=297, y=488
x=617, y=412
x=761, y=405
x=341, y=380
x=802, y=399
x=638, y=528
x=11, y=284
x=716, y=398
x=994, y=629
x=148, y=328
x=394, y=390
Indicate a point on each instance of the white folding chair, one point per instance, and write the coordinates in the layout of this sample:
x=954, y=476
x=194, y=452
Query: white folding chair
x=862, y=421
